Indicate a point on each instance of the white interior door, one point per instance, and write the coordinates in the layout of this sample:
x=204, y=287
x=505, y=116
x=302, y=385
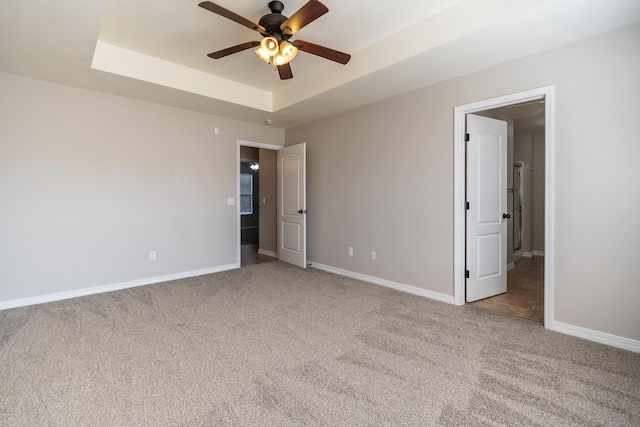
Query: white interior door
x=292, y=205
x=487, y=210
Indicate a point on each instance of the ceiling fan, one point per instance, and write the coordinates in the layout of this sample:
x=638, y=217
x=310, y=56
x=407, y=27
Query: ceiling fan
x=276, y=30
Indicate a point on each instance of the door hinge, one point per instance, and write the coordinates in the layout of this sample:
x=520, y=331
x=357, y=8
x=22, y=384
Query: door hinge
x=466, y=274
x=466, y=206
x=466, y=137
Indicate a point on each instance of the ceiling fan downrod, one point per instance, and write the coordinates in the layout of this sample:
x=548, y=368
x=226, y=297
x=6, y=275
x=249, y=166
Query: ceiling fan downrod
x=276, y=6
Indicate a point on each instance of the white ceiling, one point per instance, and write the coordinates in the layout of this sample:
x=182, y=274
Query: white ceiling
x=156, y=50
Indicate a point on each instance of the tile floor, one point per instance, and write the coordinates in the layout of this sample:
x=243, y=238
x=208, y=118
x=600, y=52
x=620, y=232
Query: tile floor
x=525, y=291
x=249, y=255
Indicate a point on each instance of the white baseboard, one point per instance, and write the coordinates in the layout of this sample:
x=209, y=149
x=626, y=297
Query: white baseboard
x=387, y=283
x=268, y=253
x=511, y=266
x=57, y=296
x=596, y=336
x=532, y=254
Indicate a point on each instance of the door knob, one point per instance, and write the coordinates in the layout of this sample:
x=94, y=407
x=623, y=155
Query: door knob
x=301, y=211
x=506, y=216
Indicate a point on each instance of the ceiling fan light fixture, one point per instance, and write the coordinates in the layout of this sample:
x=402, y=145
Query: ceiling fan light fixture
x=276, y=29
x=288, y=51
x=263, y=55
x=278, y=60
x=269, y=45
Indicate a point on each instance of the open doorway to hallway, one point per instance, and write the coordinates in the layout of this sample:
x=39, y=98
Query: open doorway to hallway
x=257, y=182
x=525, y=199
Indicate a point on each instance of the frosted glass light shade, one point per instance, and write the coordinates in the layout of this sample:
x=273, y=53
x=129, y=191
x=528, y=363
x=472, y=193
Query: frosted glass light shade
x=288, y=51
x=269, y=45
x=272, y=52
x=286, y=54
x=263, y=55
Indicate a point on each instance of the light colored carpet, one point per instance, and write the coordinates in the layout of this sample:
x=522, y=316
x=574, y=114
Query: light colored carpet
x=272, y=344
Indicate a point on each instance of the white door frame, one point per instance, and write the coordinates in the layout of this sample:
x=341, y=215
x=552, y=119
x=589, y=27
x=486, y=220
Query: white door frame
x=459, y=190
x=253, y=144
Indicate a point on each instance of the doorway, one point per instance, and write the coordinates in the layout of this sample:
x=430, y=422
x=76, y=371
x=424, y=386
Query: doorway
x=257, y=201
x=524, y=296
x=545, y=94
x=252, y=221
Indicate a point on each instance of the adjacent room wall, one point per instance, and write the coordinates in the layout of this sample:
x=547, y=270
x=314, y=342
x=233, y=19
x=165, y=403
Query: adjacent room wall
x=537, y=227
x=249, y=154
x=523, y=153
x=381, y=177
x=268, y=201
x=90, y=183
x=530, y=149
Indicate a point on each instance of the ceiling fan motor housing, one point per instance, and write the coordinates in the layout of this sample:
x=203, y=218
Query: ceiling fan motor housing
x=272, y=21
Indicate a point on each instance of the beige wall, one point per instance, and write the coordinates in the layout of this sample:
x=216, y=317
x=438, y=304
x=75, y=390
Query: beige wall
x=381, y=177
x=90, y=183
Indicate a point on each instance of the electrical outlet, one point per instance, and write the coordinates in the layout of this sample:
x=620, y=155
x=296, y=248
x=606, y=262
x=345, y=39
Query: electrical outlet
x=350, y=251
x=373, y=255
x=152, y=256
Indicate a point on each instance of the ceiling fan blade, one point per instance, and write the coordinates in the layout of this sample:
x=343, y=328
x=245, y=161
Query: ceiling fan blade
x=231, y=15
x=324, y=52
x=305, y=15
x=285, y=71
x=233, y=49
